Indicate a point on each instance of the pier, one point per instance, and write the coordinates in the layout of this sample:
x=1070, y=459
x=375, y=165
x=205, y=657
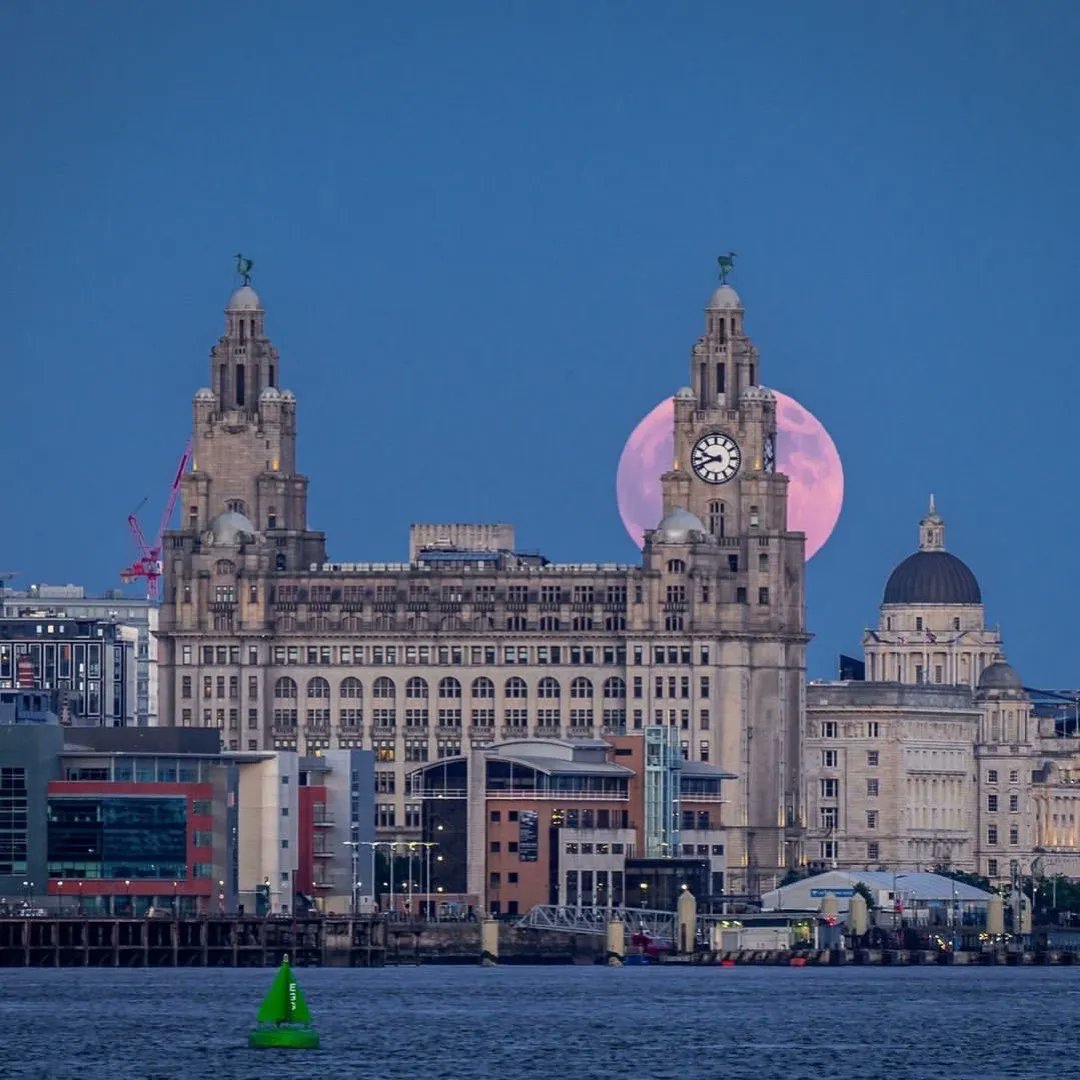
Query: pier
x=223, y=941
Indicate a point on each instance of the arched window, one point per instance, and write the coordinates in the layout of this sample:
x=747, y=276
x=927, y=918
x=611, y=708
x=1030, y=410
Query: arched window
x=449, y=687
x=614, y=688
x=548, y=688
x=318, y=687
x=676, y=566
x=271, y=517
x=483, y=688
x=351, y=688
x=516, y=688
x=416, y=688
x=279, y=561
x=237, y=506
x=285, y=689
x=581, y=688
x=224, y=567
x=716, y=517
x=384, y=688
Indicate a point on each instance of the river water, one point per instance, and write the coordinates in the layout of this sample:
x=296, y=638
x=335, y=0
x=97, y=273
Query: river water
x=454, y=1023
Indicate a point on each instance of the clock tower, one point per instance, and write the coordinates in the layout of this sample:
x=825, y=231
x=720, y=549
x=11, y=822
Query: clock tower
x=725, y=432
x=728, y=572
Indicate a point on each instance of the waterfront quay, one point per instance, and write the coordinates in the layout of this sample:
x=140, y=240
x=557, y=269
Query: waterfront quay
x=222, y=941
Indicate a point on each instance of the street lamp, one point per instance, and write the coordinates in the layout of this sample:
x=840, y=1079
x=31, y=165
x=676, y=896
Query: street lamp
x=427, y=845
x=355, y=844
x=409, y=901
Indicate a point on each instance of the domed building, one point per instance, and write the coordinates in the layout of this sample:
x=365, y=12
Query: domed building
x=932, y=627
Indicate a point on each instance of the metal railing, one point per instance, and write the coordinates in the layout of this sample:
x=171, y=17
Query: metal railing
x=594, y=920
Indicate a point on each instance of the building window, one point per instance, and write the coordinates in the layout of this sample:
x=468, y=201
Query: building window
x=829, y=758
x=873, y=758
x=991, y=834
x=873, y=851
x=873, y=729
x=828, y=849
x=1014, y=834
x=872, y=788
x=918, y=622
x=829, y=788
x=829, y=729
x=763, y=595
x=871, y=819
x=991, y=865
x=830, y=817
x=1014, y=776
x=992, y=803
x=991, y=776
x=1014, y=804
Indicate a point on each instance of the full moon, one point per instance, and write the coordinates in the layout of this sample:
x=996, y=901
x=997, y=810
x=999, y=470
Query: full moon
x=804, y=453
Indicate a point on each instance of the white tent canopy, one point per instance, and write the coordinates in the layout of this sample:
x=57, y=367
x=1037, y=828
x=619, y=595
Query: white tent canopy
x=911, y=888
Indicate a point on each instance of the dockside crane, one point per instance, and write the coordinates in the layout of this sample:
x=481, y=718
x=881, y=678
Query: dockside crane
x=148, y=565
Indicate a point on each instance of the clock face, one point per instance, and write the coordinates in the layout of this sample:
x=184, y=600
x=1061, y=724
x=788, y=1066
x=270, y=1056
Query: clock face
x=716, y=458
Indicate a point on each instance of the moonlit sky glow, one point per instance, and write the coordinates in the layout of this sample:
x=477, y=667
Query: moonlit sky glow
x=484, y=235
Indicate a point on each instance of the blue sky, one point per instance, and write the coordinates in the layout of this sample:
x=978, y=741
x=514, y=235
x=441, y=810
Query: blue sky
x=484, y=234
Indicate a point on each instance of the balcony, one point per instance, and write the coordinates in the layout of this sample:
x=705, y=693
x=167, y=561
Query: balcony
x=547, y=731
x=508, y=732
x=323, y=819
x=322, y=854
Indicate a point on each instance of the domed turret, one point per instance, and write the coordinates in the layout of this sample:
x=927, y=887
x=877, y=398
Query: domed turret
x=231, y=529
x=680, y=527
x=724, y=299
x=244, y=299
x=932, y=575
x=1000, y=676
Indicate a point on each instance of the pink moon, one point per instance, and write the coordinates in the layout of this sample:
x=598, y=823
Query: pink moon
x=805, y=453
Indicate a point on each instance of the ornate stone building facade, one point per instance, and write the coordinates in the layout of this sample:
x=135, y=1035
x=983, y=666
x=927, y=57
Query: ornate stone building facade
x=932, y=627
x=470, y=642
x=937, y=759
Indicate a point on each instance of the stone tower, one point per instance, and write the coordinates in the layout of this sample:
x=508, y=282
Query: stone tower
x=724, y=554
x=244, y=431
x=244, y=521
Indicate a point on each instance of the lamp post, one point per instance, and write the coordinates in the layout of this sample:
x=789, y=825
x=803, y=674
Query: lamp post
x=354, y=844
x=427, y=873
x=374, y=845
x=175, y=911
x=393, y=847
x=409, y=897
x=130, y=900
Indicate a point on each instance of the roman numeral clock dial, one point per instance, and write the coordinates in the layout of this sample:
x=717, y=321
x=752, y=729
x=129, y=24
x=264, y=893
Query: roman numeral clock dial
x=716, y=458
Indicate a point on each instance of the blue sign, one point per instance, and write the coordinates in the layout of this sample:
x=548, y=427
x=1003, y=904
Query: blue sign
x=832, y=892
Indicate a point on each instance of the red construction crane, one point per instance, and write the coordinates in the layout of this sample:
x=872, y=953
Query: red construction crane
x=148, y=565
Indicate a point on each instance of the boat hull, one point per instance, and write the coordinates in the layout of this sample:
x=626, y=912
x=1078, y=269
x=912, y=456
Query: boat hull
x=283, y=1038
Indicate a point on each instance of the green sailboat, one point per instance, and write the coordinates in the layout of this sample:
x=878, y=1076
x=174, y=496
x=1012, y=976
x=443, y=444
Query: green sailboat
x=284, y=1018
